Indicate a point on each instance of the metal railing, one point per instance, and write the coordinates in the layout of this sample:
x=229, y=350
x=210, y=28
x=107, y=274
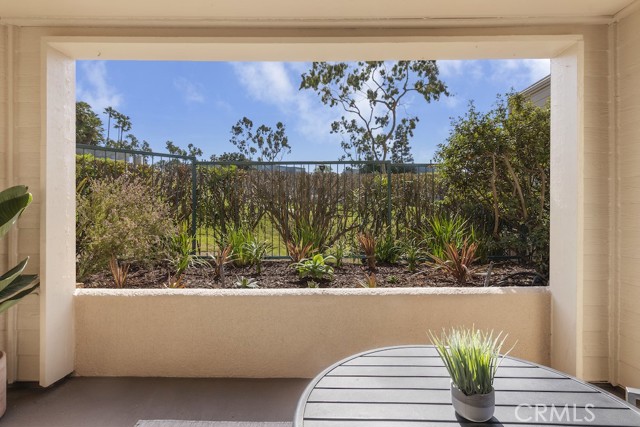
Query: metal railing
x=274, y=199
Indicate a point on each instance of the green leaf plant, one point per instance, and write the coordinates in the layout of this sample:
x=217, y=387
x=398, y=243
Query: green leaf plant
x=13, y=284
x=315, y=268
x=472, y=357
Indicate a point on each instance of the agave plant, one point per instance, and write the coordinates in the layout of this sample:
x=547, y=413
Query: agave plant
x=13, y=284
x=315, y=268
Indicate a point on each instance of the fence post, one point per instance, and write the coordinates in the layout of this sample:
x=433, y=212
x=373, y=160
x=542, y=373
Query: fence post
x=388, y=167
x=194, y=203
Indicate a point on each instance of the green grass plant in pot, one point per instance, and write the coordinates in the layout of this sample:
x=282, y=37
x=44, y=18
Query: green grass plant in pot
x=13, y=284
x=472, y=358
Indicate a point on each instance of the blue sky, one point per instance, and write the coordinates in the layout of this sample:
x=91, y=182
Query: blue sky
x=198, y=102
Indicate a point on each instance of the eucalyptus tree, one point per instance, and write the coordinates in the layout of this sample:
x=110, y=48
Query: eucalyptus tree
x=191, y=151
x=376, y=124
x=267, y=143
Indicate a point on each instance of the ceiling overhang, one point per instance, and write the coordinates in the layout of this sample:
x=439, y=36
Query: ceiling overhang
x=300, y=13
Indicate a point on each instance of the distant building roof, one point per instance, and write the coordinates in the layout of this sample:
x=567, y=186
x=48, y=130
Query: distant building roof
x=539, y=92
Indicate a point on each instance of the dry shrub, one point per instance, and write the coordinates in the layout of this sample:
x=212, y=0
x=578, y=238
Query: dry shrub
x=119, y=271
x=121, y=218
x=305, y=208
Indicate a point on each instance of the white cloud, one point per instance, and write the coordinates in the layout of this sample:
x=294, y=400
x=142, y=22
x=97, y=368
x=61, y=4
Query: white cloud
x=275, y=83
x=97, y=91
x=520, y=73
x=452, y=101
x=456, y=68
x=223, y=105
x=538, y=68
x=266, y=81
x=449, y=68
x=191, y=92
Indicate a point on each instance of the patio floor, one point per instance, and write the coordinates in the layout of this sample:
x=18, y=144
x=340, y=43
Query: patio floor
x=121, y=402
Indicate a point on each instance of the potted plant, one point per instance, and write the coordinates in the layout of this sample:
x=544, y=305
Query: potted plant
x=13, y=284
x=472, y=358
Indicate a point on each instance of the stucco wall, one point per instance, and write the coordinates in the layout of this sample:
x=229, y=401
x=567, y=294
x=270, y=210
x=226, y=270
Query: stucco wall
x=592, y=356
x=593, y=298
x=20, y=164
x=286, y=333
x=628, y=181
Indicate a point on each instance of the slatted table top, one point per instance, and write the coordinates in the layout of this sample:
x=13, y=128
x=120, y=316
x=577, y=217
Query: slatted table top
x=409, y=387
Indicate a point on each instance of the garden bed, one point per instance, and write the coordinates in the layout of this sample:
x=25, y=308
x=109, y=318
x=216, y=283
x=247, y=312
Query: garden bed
x=279, y=275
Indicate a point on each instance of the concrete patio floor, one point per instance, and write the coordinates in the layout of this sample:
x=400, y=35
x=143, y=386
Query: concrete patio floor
x=121, y=402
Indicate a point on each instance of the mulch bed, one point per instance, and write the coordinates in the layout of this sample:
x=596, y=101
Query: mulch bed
x=278, y=274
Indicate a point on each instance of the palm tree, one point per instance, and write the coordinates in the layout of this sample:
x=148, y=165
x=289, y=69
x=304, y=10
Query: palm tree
x=123, y=124
x=111, y=113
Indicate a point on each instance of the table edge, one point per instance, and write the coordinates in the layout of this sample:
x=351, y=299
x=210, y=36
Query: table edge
x=298, y=417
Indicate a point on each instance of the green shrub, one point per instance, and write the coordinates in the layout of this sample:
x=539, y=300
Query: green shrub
x=387, y=250
x=120, y=218
x=315, y=268
x=444, y=230
x=340, y=251
x=412, y=253
x=238, y=239
x=179, y=253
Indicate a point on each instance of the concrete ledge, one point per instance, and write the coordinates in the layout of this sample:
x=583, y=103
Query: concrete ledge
x=290, y=333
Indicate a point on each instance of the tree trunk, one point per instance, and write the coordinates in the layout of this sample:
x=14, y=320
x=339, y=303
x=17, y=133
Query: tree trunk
x=494, y=191
x=516, y=183
x=543, y=191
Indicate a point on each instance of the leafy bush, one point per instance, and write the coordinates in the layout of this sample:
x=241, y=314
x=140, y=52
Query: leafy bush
x=387, y=250
x=457, y=262
x=472, y=358
x=170, y=180
x=120, y=218
x=495, y=169
x=315, y=268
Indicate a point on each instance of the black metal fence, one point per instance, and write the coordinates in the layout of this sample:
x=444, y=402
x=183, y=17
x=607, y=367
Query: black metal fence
x=276, y=200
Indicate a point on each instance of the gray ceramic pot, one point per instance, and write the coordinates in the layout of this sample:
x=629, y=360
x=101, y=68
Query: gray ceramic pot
x=478, y=407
